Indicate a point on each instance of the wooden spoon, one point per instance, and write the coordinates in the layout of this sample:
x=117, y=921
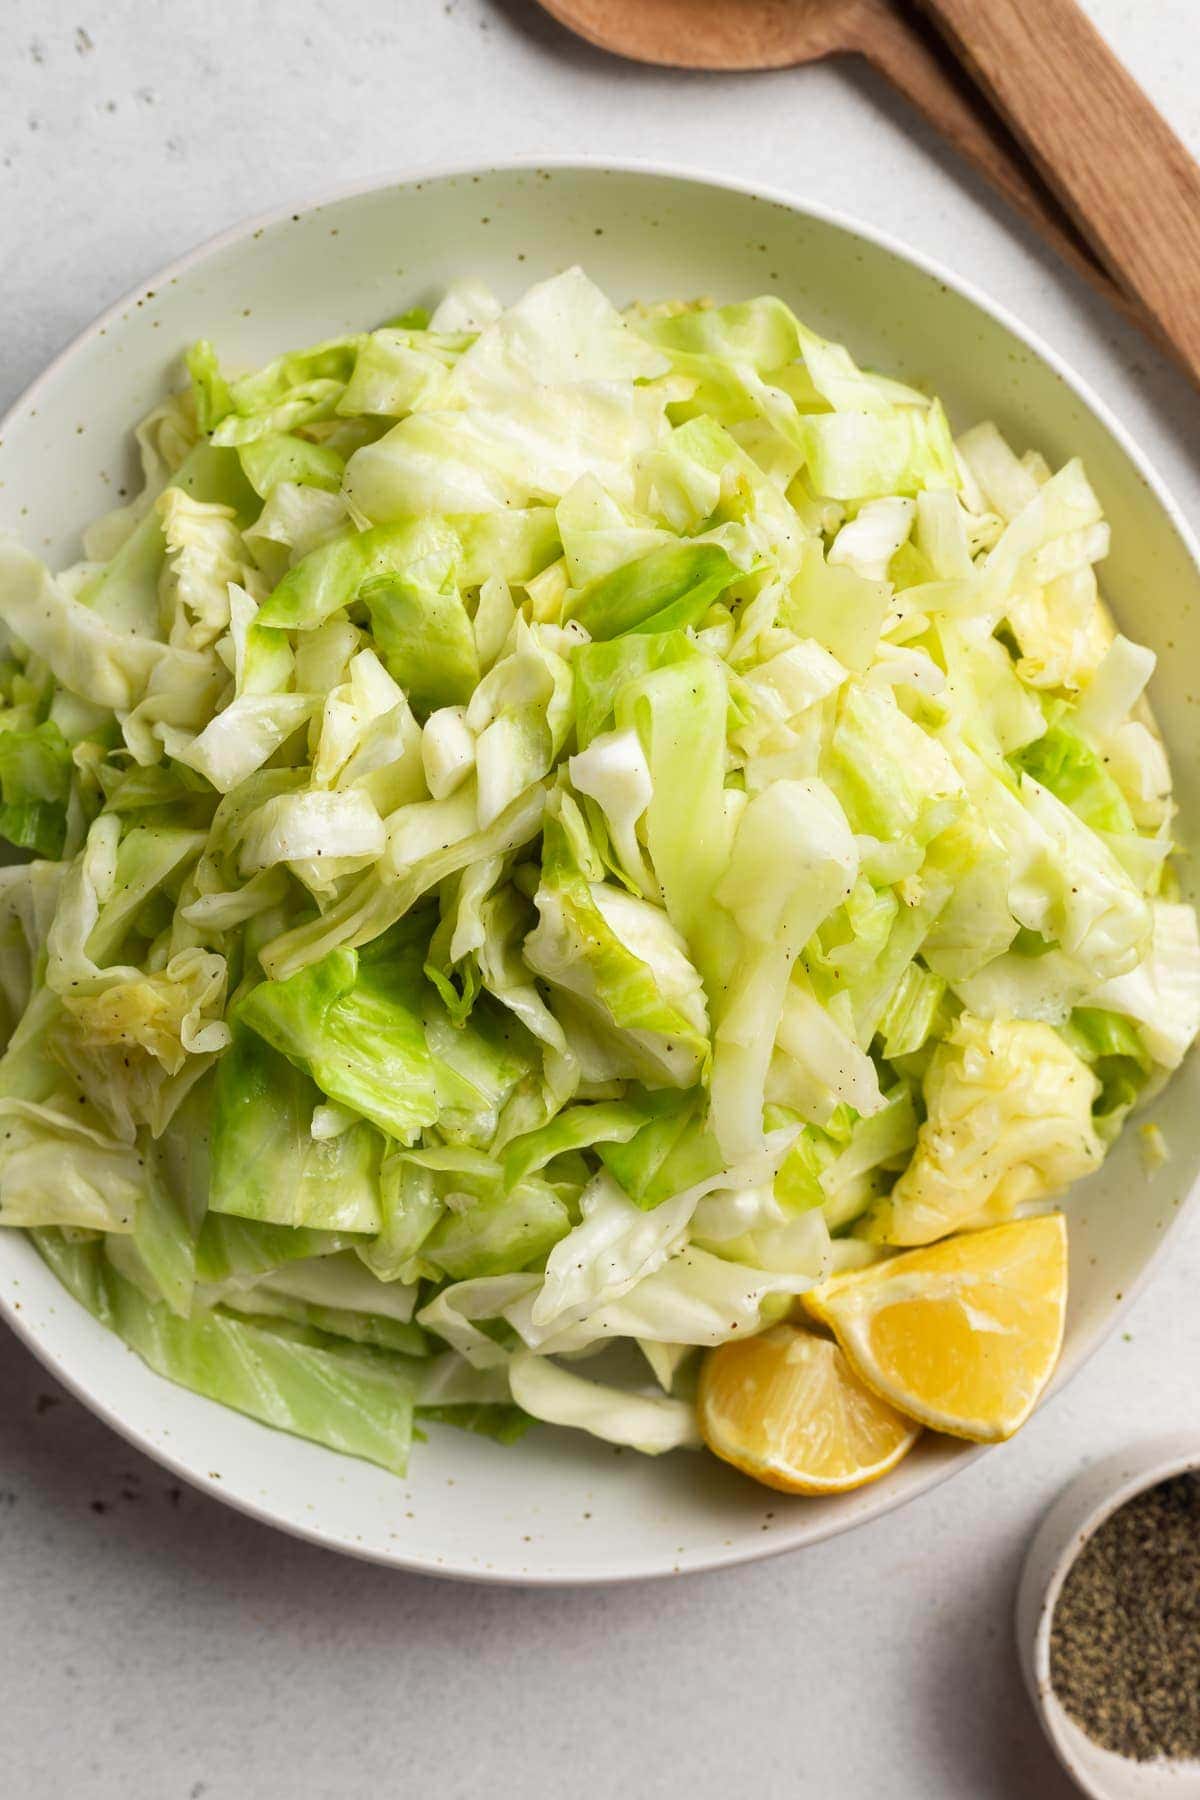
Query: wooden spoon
x=774, y=34
x=1114, y=162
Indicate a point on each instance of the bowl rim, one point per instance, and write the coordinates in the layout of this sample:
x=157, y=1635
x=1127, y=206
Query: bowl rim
x=883, y=1499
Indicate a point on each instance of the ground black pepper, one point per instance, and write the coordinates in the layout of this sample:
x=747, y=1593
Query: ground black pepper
x=1125, y=1637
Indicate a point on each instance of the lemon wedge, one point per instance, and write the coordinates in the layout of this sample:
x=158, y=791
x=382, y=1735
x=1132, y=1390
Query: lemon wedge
x=787, y=1408
x=963, y=1334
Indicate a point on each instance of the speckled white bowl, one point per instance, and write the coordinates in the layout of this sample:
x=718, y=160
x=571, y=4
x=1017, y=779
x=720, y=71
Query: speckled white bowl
x=1079, y=1511
x=561, y=1508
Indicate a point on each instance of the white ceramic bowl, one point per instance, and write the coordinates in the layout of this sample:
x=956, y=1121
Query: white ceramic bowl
x=1079, y=1511
x=561, y=1508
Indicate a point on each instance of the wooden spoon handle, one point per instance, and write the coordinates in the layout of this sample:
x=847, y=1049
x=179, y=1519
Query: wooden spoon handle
x=910, y=56
x=1124, y=177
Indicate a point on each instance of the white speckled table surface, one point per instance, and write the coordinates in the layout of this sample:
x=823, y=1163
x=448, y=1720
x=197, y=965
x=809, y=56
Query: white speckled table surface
x=154, y=1644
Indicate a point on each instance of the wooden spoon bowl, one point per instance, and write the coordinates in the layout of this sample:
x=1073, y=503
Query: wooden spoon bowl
x=717, y=34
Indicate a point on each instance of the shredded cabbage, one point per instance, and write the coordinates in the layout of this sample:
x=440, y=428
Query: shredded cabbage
x=556, y=828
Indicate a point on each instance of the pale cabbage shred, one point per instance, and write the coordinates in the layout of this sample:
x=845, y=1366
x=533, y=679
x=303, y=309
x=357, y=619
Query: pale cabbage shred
x=556, y=828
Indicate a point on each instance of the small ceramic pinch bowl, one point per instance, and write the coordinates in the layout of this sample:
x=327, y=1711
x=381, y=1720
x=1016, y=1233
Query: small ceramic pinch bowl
x=1080, y=1510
